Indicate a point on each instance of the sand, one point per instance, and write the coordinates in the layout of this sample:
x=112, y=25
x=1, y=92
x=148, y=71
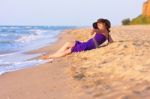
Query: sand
x=117, y=71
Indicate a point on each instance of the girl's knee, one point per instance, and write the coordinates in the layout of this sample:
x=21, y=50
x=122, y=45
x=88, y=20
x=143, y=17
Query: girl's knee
x=68, y=51
x=70, y=43
x=67, y=43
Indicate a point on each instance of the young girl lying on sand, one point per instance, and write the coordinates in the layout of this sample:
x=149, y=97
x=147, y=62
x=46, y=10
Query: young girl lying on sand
x=101, y=28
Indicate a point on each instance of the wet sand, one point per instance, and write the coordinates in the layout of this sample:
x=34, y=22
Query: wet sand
x=46, y=81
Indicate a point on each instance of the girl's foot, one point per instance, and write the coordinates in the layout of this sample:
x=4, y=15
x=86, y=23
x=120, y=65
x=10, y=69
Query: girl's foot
x=46, y=57
x=50, y=60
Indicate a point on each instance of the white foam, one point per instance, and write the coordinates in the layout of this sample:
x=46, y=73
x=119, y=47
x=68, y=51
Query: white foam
x=2, y=72
x=27, y=38
x=35, y=35
x=7, y=54
x=20, y=65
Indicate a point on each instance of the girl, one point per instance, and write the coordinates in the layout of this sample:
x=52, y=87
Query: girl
x=101, y=28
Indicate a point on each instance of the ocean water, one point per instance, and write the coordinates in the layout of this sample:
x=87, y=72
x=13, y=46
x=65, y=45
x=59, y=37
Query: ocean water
x=16, y=40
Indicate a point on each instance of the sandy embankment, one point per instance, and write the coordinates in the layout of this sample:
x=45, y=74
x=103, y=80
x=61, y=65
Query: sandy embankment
x=118, y=71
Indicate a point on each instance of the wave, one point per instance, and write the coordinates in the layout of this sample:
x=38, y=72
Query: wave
x=31, y=35
x=27, y=38
x=7, y=54
x=34, y=35
x=15, y=41
x=6, y=42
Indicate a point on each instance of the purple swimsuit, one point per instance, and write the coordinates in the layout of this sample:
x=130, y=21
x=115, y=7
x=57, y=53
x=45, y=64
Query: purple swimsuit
x=89, y=44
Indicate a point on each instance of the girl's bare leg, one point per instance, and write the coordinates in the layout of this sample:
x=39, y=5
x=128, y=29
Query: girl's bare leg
x=61, y=54
x=63, y=49
x=66, y=46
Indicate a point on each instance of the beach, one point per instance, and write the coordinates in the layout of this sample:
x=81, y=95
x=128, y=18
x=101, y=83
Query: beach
x=116, y=71
x=46, y=81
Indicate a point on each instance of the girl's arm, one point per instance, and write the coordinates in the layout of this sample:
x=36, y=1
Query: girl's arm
x=93, y=31
x=110, y=40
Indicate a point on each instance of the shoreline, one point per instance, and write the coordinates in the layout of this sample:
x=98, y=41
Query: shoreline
x=45, y=81
x=32, y=56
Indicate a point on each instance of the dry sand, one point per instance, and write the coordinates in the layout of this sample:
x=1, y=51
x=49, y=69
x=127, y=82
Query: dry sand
x=118, y=71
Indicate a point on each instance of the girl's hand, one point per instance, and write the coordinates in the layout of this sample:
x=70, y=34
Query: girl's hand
x=110, y=40
x=92, y=32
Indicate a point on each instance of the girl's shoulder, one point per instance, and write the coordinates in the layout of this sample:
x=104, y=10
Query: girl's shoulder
x=105, y=34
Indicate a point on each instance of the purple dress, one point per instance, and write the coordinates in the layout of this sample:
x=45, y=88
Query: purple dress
x=89, y=44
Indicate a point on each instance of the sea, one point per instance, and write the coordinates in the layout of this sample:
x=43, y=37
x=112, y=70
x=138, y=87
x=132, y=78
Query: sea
x=15, y=41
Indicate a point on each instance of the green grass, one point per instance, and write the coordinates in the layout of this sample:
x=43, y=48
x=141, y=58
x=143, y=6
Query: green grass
x=140, y=20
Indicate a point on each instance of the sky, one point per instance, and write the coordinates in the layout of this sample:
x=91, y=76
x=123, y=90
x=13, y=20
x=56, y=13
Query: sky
x=67, y=12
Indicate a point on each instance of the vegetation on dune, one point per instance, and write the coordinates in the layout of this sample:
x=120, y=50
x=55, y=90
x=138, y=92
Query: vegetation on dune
x=126, y=21
x=138, y=20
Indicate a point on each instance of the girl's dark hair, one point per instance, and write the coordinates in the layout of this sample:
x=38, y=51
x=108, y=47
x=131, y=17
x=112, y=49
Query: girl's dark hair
x=106, y=22
x=95, y=25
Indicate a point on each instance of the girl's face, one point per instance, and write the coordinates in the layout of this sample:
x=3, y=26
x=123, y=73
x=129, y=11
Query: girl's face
x=101, y=26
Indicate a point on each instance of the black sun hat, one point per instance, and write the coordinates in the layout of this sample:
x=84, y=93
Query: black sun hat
x=106, y=21
x=95, y=25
